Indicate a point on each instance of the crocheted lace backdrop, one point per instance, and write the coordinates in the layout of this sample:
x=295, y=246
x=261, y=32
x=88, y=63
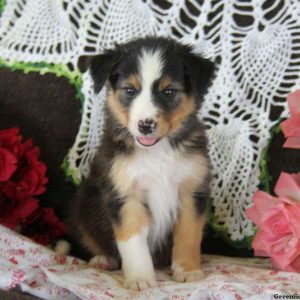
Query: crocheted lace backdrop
x=255, y=42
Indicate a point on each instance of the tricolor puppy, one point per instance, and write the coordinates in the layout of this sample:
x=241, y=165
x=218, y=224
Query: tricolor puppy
x=149, y=180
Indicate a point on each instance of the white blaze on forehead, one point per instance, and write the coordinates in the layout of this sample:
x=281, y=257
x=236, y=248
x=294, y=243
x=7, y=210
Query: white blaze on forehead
x=150, y=66
x=150, y=69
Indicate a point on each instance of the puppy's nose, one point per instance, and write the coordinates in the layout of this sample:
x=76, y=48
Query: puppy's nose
x=146, y=126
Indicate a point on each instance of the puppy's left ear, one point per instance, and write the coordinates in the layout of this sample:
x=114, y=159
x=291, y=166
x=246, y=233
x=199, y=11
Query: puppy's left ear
x=200, y=72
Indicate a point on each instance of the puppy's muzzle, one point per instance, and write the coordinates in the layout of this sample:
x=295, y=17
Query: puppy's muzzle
x=146, y=126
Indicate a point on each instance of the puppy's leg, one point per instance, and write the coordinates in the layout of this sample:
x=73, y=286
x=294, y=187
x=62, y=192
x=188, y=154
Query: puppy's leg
x=104, y=262
x=186, y=256
x=131, y=233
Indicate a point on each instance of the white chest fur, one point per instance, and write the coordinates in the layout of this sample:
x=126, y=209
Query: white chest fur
x=159, y=171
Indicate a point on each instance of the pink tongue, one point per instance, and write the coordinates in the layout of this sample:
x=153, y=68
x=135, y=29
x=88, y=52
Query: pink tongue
x=147, y=141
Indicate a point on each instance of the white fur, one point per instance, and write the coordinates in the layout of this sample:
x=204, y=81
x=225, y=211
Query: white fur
x=159, y=170
x=62, y=247
x=142, y=107
x=136, y=259
x=176, y=268
x=180, y=275
x=104, y=262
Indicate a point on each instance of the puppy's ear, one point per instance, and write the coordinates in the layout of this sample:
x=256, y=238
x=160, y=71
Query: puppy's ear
x=200, y=72
x=84, y=62
x=102, y=67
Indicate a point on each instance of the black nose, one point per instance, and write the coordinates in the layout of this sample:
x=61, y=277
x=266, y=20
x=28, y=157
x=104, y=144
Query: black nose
x=146, y=126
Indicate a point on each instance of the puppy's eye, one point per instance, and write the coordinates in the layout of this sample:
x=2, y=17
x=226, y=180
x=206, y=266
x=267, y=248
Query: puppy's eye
x=130, y=91
x=169, y=93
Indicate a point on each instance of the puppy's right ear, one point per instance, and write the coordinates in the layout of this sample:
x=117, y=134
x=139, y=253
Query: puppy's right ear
x=101, y=67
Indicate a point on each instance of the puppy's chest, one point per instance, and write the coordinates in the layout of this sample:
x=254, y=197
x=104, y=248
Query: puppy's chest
x=158, y=173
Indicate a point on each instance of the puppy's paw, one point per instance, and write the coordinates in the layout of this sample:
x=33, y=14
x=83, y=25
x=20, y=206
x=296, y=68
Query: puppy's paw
x=104, y=262
x=189, y=276
x=140, y=284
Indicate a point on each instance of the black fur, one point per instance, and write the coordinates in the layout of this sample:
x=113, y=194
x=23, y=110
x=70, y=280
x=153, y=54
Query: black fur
x=194, y=72
x=102, y=67
x=201, y=196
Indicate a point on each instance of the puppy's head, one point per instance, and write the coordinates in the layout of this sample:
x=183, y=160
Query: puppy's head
x=155, y=86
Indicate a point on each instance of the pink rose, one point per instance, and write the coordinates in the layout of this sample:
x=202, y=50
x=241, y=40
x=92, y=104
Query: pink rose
x=278, y=222
x=291, y=126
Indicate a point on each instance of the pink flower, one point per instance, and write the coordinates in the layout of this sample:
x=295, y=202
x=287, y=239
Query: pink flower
x=291, y=126
x=278, y=222
x=288, y=185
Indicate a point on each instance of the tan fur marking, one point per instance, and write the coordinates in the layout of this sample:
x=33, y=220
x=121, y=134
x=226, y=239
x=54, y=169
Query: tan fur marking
x=134, y=217
x=188, y=231
x=172, y=122
x=132, y=80
x=163, y=125
x=200, y=170
x=115, y=106
x=90, y=243
x=165, y=82
x=186, y=107
x=119, y=175
x=133, y=213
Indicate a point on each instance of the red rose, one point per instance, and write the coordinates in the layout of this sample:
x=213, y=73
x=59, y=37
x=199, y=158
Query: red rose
x=9, y=150
x=14, y=206
x=43, y=226
x=8, y=164
x=10, y=139
x=30, y=176
x=22, y=176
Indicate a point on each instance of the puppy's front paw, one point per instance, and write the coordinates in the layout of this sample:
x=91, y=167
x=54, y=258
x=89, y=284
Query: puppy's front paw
x=104, y=262
x=140, y=284
x=188, y=276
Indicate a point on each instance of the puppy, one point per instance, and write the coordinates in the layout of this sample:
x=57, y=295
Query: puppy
x=149, y=180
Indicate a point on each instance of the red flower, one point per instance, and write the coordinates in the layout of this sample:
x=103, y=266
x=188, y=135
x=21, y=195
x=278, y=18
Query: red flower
x=30, y=176
x=9, y=150
x=8, y=164
x=10, y=139
x=22, y=176
x=19, y=163
x=43, y=226
x=14, y=206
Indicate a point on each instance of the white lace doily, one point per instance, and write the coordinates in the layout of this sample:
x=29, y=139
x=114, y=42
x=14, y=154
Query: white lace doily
x=255, y=42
